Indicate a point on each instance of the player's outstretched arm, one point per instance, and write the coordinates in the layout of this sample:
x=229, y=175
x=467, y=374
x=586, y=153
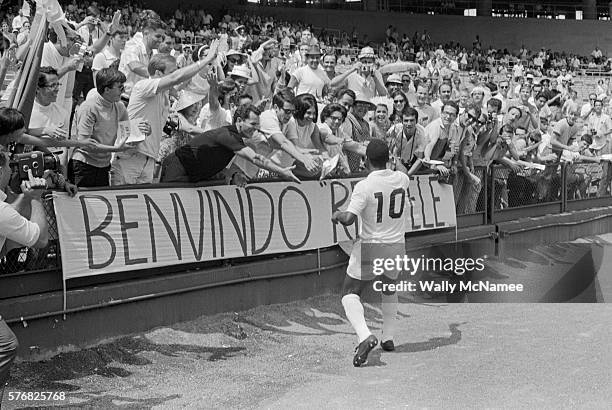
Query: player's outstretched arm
x=344, y=217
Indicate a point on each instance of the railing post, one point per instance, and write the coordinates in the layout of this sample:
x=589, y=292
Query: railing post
x=491, y=197
x=485, y=186
x=564, y=166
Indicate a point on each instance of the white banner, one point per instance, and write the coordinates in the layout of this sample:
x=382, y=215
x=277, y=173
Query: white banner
x=120, y=230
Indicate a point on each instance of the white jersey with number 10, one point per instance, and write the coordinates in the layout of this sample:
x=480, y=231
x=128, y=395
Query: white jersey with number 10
x=381, y=202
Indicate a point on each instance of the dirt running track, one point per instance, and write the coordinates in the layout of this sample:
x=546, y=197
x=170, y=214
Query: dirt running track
x=298, y=355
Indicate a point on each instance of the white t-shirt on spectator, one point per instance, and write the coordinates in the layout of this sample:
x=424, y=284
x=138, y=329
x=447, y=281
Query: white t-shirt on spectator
x=52, y=58
x=362, y=85
x=270, y=125
x=311, y=81
x=103, y=60
x=153, y=107
x=211, y=120
x=135, y=50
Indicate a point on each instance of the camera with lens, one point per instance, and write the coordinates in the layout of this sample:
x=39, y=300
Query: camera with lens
x=171, y=126
x=36, y=161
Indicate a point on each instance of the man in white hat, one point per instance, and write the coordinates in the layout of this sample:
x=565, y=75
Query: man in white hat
x=241, y=74
x=393, y=83
x=310, y=79
x=363, y=77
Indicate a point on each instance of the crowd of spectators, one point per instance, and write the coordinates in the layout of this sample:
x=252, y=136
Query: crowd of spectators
x=126, y=97
x=242, y=97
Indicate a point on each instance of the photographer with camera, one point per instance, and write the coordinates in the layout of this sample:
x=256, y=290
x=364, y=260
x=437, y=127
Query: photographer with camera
x=16, y=230
x=363, y=78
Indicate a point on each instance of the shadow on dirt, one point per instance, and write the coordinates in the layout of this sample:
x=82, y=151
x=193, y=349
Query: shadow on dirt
x=51, y=374
x=434, y=342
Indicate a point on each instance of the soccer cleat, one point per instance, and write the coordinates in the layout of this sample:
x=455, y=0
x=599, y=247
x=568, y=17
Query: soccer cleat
x=361, y=355
x=388, y=346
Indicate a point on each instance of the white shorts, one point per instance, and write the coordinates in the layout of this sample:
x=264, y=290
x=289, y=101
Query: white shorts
x=365, y=258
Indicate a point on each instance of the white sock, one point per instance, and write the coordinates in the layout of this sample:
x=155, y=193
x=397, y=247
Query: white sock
x=354, y=313
x=389, y=309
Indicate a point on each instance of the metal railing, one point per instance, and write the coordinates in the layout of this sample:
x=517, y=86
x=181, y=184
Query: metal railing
x=502, y=195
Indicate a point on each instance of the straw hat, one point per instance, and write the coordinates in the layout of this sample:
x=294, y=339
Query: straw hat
x=313, y=50
x=394, y=79
x=366, y=52
x=187, y=98
x=361, y=98
x=235, y=53
x=241, y=71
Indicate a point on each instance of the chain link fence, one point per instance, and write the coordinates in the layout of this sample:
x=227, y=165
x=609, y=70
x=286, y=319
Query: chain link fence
x=587, y=180
x=22, y=259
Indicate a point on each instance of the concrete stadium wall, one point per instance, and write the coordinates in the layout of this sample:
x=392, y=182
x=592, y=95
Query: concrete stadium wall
x=558, y=35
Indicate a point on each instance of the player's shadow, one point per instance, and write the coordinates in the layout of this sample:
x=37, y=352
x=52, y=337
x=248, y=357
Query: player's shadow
x=374, y=359
x=434, y=342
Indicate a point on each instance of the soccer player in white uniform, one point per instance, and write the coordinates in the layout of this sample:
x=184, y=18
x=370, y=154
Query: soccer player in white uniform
x=379, y=200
